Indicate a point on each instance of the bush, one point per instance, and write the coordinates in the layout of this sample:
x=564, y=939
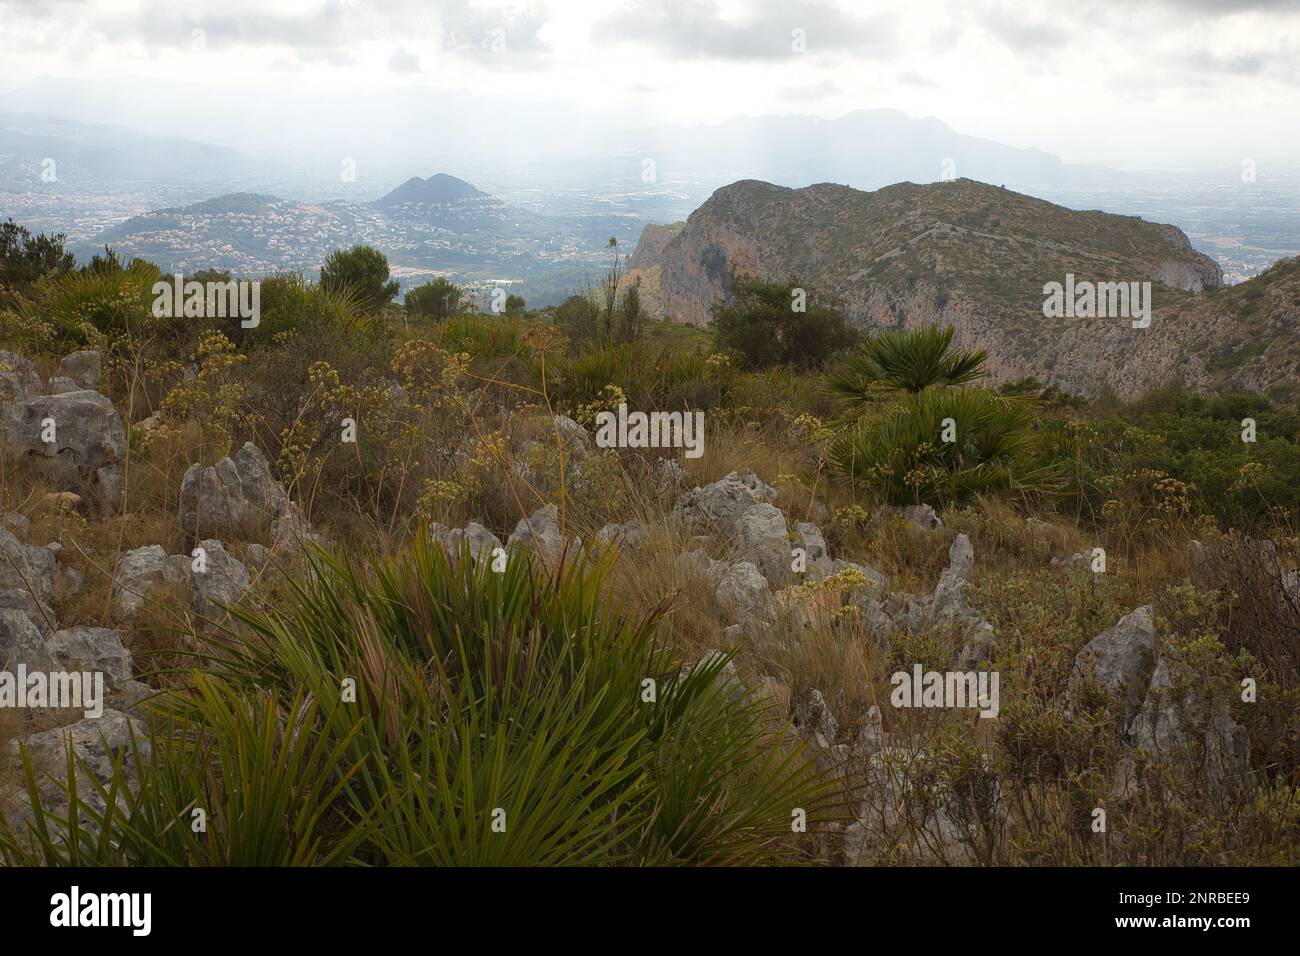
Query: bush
x=900, y=455
x=759, y=323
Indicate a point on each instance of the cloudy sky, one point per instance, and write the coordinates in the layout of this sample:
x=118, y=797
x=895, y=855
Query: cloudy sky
x=1127, y=82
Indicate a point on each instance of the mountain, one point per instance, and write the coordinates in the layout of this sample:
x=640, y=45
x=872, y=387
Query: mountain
x=447, y=204
x=977, y=257
x=437, y=189
x=865, y=148
x=89, y=152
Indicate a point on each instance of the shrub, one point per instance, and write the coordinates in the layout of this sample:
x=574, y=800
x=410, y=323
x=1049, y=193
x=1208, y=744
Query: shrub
x=900, y=455
x=759, y=323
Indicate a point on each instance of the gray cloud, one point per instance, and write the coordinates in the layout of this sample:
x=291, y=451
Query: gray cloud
x=696, y=29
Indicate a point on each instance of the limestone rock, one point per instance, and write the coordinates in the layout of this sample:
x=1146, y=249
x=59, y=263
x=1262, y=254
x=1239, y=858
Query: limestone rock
x=92, y=649
x=140, y=570
x=1121, y=660
x=223, y=582
x=742, y=590
x=1179, y=722
x=95, y=742
x=717, y=506
x=21, y=643
x=83, y=368
x=89, y=439
x=762, y=538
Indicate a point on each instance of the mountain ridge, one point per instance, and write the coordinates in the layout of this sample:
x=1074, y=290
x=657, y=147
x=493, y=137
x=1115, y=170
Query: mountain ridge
x=977, y=257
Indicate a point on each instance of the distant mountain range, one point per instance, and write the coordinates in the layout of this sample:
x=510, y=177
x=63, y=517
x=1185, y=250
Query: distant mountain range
x=977, y=257
x=83, y=151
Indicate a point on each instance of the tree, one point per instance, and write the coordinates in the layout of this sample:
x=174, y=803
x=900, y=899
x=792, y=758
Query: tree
x=24, y=258
x=514, y=304
x=779, y=323
x=908, y=360
x=434, y=300
x=361, y=271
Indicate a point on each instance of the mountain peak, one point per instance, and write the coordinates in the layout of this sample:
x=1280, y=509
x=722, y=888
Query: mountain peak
x=438, y=188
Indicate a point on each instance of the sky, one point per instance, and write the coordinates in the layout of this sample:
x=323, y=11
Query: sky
x=1130, y=83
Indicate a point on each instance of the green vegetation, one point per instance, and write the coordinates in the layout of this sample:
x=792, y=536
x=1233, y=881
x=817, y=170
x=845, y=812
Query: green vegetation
x=413, y=710
x=361, y=271
x=779, y=323
x=438, y=300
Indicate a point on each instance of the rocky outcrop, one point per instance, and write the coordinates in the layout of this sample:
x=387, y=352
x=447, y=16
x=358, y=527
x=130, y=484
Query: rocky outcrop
x=94, y=649
x=1120, y=660
x=716, y=507
x=140, y=570
x=86, y=440
x=96, y=743
x=540, y=534
x=235, y=495
x=1183, y=724
x=221, y=582
x=915, y=255
x=21, y=643
x=28, y=579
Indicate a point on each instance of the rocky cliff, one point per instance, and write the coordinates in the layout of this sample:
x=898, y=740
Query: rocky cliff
x=977, y=257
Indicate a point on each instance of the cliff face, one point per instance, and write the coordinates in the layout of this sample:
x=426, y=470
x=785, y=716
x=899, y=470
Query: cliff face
x=977, y=257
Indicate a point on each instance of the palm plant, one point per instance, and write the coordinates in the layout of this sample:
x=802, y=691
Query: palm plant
x=425, y=709
x=900, y=453
x=908, y=360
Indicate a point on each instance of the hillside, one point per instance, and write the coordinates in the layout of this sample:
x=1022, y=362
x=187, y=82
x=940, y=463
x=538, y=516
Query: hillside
x=977, y=257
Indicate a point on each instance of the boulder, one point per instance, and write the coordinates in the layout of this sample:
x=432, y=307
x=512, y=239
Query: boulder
x=142, y=569
x=923, y=516
x=21, y=643
x=95, y=742
x=236, y=494
x=716, y=507
x=697, y=563
x=741, y=590
x=540, y=532
x=27, y=579
x=19, y=380
x=813, y=716
x=60, y=384
x=762, y=538
x=1121, y=660
x=481, y=541
x=222, y=582
x=574, y=437
x=92, y=649
x=812, y=540
x=630, y=534
x=961, y=560
x=908, y=806
x=83, y=368
x=89, y=440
